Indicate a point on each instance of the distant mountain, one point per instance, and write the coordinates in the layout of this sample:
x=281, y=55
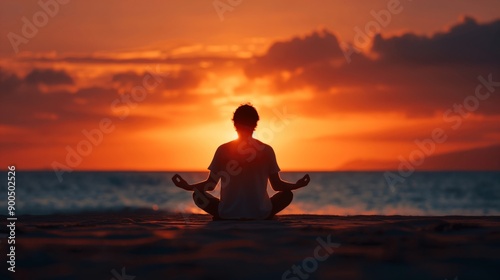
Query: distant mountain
x=486, y=158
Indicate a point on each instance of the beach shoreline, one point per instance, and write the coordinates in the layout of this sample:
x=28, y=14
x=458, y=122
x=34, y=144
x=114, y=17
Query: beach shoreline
x=159, y=245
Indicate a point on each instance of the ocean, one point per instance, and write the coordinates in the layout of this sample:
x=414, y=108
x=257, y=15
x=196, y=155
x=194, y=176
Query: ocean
x=333, y=193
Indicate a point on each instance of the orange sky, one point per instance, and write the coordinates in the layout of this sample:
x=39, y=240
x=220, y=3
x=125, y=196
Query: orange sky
x=160, y=81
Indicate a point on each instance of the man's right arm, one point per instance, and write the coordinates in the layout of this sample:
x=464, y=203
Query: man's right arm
x=280, y=185
x=208, y=185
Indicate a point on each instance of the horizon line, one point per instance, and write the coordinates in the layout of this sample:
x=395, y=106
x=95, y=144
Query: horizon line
x=288, y=170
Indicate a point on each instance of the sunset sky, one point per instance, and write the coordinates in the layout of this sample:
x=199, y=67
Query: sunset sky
x=336, y=89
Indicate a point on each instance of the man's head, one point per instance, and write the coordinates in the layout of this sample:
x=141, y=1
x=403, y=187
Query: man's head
x=245, y=118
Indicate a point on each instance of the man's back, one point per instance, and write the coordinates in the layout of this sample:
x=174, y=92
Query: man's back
x=244, y=166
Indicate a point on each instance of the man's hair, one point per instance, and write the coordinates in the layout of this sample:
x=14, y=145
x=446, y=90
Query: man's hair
x=246, y=115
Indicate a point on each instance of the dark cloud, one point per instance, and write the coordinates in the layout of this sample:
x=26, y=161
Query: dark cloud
x=298, y=52
x=128, y=78
x=467, y=42
x=447, y=71
x=25, y=106
x=180, y=80
x=414, y=91
x=57, y=118
x=8, y=81
x=32, y=108
x=185, y=61
x=48, y=77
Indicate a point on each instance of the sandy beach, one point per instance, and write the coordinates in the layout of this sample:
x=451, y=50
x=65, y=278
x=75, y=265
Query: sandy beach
x=156, y=245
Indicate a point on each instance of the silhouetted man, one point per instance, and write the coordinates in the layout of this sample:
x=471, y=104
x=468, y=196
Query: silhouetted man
x=244, y=166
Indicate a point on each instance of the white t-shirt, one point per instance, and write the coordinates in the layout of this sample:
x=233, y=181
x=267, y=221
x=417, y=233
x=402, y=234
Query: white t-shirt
x=244, y=167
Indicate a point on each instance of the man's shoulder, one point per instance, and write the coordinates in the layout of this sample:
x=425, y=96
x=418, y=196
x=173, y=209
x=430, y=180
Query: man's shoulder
x=225, y=145
x=261, y=146
x=225, y=148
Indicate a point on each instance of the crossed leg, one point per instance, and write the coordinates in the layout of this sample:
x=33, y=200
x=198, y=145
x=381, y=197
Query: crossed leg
x=207, y=203
x=210, y=203
x=280, y=201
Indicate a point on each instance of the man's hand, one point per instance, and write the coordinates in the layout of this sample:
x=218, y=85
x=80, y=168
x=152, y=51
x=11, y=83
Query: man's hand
x=303, y=181
x=179, y=182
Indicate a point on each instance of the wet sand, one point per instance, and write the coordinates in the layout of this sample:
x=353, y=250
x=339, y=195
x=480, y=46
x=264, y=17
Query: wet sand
x=156, y=245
